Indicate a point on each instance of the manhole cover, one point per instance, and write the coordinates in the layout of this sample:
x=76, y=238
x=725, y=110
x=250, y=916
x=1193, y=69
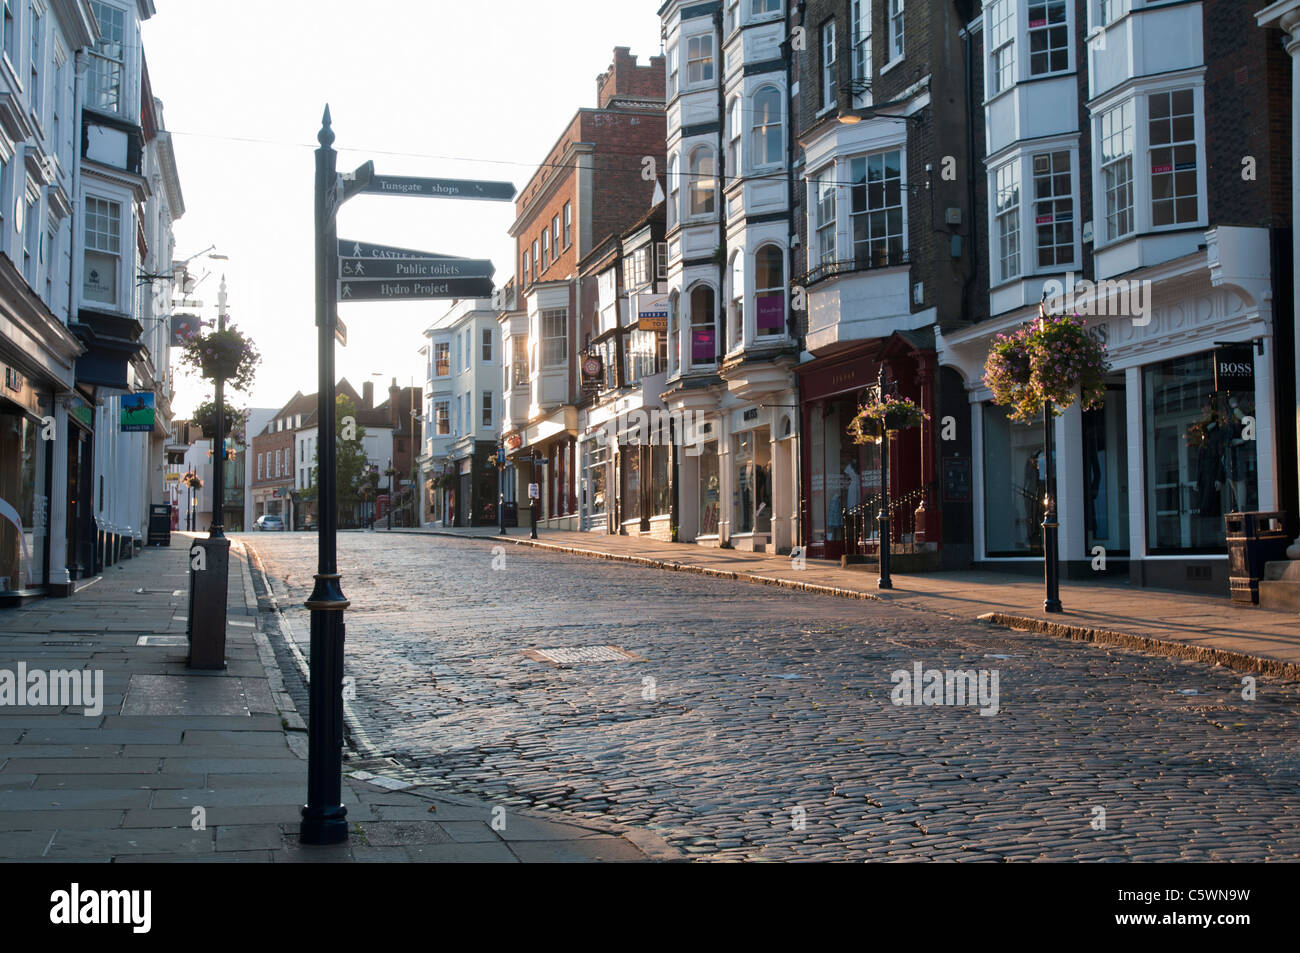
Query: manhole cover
x=582, y=653
x=161, y=640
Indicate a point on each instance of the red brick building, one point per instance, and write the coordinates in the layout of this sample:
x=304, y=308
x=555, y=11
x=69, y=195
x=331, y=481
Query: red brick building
x=596, y=181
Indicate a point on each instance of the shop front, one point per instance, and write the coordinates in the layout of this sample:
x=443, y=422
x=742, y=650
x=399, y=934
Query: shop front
x=545, y=453
x=26, y=468
x=1145, y=480
x=843, y=478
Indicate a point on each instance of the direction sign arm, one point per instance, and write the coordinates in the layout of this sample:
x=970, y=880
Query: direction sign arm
x=358, y=180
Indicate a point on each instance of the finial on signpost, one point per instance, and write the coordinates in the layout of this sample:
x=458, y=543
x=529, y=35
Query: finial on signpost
x=326, y=135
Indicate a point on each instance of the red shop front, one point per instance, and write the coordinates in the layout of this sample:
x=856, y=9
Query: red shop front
x=841, y=479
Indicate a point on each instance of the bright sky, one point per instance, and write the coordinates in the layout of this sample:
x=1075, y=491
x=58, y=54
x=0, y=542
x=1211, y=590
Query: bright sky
x=423, y=87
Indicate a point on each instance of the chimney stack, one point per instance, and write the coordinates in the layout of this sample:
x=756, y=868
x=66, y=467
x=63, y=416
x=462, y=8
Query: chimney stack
x=368, y=394
x=393, y=393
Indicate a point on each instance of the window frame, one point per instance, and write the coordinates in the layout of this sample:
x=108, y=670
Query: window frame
x=778, y=288
x=862, y=66
x=1000, y=61
x=824, y=198
x=702, y=183
x=705, y=62
x=765, y=126
x=111, y=214
x=868, y=213
x=97, y=54
x=895, y=34
x=829, y=66
x=1047, y=28
x=554, y=355
x=1008, y=216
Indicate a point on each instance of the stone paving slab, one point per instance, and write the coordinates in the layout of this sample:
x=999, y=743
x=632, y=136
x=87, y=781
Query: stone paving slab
x=123, y=786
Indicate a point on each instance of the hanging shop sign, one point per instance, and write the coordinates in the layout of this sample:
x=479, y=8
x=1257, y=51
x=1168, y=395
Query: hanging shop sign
x=1234, y=367
x=593, y=371
x=138, y=413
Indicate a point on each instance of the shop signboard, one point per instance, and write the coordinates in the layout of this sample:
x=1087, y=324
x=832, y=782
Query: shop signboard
x=138, y=412
x=1234, y=368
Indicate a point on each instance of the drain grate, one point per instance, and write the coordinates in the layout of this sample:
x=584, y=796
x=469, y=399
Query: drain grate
x=162, y=640
x=583, y=653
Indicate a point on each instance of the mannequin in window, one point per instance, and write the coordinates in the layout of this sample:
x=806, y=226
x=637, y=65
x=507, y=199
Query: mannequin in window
x=1210, y=471
x=1032, y=489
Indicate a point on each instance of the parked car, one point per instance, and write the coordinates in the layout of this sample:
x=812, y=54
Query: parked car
x=269, y=522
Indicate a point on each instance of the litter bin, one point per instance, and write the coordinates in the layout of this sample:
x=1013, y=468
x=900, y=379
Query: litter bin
x=160, y=524
x=1254, y=539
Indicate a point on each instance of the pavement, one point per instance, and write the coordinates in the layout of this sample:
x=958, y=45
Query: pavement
x=161, y=763
x=1209, y=628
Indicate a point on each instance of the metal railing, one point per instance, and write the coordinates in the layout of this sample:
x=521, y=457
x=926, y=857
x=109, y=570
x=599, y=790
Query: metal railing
x=868, y=261
x=861, y=529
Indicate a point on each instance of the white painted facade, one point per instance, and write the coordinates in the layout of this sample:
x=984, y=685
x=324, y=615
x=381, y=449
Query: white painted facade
x=730, y=353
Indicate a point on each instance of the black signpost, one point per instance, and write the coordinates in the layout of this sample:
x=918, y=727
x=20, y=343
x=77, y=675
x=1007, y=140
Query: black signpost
x=324, y=818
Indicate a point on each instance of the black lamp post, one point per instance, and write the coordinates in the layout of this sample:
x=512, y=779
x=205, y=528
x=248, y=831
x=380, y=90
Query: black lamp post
x=390, y=472
x=1051, y=564
x=216, y=528
x=884, y=582
x=532, y=500
x=501, y=487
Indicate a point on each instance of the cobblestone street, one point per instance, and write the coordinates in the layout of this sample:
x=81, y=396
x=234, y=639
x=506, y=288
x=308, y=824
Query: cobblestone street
x=757, y=723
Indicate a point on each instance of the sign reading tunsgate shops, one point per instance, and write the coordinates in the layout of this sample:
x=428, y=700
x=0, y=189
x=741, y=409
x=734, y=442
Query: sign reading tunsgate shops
x=441, y=188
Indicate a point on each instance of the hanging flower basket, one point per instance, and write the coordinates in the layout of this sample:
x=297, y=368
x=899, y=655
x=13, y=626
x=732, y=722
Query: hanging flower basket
x=888, y=415
x=1054, y=360
x=205, y=417
x=224, y=355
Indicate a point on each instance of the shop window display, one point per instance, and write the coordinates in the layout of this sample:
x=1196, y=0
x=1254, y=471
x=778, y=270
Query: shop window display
x=1200, y=463
x=24, y=507
x=710, y=491
x=1015, y=479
